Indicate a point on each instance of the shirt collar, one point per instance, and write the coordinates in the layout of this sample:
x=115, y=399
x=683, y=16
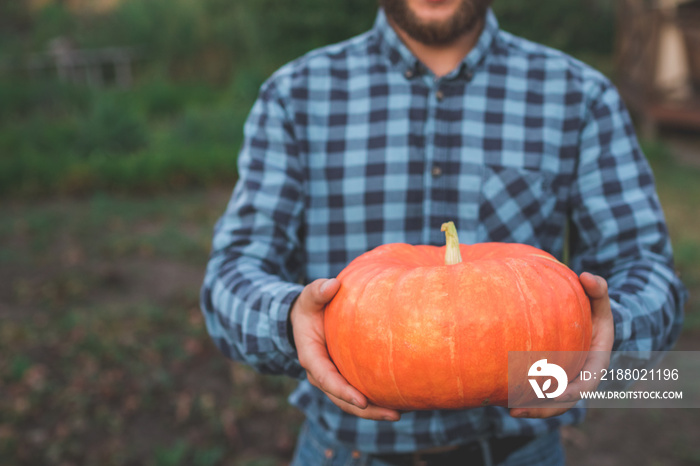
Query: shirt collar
x=400, y=56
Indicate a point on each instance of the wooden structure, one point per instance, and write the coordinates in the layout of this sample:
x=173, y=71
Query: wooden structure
x=658, y=61
x=95, y=67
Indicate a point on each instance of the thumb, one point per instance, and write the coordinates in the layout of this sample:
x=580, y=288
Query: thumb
x=595, y=286
x=597, y=290
x=318, y=293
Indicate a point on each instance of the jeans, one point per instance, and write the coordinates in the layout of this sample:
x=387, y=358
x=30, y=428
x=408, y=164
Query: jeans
x=315, y=449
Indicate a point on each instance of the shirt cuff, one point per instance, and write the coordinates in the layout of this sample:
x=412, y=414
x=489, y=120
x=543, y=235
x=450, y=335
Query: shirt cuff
x=279, y=312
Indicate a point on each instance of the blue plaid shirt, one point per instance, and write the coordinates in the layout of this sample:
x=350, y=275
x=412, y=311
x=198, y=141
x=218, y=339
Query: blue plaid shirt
x=358, y=144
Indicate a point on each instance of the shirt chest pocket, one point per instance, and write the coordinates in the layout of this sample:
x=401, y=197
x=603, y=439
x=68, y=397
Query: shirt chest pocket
x=517, y=205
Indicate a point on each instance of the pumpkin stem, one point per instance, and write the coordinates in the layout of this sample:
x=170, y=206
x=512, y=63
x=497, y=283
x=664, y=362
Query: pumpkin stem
x=452, y=254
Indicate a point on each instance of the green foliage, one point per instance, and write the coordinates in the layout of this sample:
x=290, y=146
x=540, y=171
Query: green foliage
x=578, y=27
x=18, y=366
x=208, y=456
x=156, y=136
x=679, y=192
x=159, y=98
x=23, y=99
x=112, y=127
x=36, y=136
x=202, y=126
x=52, y=21
x=214, y=39
x=199, y=67
x=171, y=455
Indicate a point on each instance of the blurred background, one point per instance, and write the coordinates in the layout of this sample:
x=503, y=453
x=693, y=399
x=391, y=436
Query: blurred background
x=119, y=127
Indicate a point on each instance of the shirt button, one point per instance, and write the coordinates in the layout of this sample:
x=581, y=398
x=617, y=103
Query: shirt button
x=436, y=171
x=408, y=74
x=439, y=95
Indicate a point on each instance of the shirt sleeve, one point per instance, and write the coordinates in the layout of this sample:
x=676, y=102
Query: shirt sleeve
x=254, y=271
x=619, y=231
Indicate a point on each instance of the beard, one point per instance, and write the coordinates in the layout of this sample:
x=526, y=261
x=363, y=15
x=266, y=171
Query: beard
x=468, y=16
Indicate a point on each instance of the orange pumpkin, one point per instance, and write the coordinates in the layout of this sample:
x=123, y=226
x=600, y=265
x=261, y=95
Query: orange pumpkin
x=417, y=327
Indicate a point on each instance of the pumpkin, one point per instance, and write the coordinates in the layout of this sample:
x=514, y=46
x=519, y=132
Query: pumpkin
x=427, y=327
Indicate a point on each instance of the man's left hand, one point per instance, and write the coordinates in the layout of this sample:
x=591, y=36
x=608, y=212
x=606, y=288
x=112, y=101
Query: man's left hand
x=602, y=339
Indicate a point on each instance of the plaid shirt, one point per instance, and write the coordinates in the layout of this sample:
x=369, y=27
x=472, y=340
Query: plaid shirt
x=358, y=144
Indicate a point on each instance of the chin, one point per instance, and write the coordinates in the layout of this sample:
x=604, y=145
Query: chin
x=434, y=11
x=436, y=22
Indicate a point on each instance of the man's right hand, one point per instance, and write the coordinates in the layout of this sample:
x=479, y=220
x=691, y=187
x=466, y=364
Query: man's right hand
x=307, y=322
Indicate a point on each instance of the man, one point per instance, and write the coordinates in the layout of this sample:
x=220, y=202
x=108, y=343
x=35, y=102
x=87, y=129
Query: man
x=433, y=115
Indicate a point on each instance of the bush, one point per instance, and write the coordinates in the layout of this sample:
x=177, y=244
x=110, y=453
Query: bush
x=578, y=27
x=207, y=126
x=39, y=135
x=158, y=98
x=47, y=98
x=112, y=127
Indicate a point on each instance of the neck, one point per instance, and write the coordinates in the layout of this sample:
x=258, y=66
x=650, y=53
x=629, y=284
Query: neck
x=441, y=59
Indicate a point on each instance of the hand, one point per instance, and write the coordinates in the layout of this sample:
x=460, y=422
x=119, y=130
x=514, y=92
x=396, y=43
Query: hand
x=599, y=356
x=306, y=317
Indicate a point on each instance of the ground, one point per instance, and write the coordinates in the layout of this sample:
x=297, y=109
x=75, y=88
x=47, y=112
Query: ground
x=106, y=359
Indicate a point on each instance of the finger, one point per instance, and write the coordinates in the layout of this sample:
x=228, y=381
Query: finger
x=601, y=312
x=323, y=374
x=595, y=286
x=596, y=362
x=318, y=293
x=539, y=413
x=373, y=412
x=602, y=340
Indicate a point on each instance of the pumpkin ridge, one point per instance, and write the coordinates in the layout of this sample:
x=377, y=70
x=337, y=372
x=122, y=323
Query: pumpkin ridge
x=348, y=367
x=456, y=369
x=396, y=311
x=525, y=300
x=584, y=304
x=555, y=270
x=550, y=259
x=391, y=367
x=407, y=284
x=372, y=277
x=584, y=307
x=565, y=355
x=385, y=256
x=553, y=291
x=568, y=276
x=380, y=272
x=430, y=255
